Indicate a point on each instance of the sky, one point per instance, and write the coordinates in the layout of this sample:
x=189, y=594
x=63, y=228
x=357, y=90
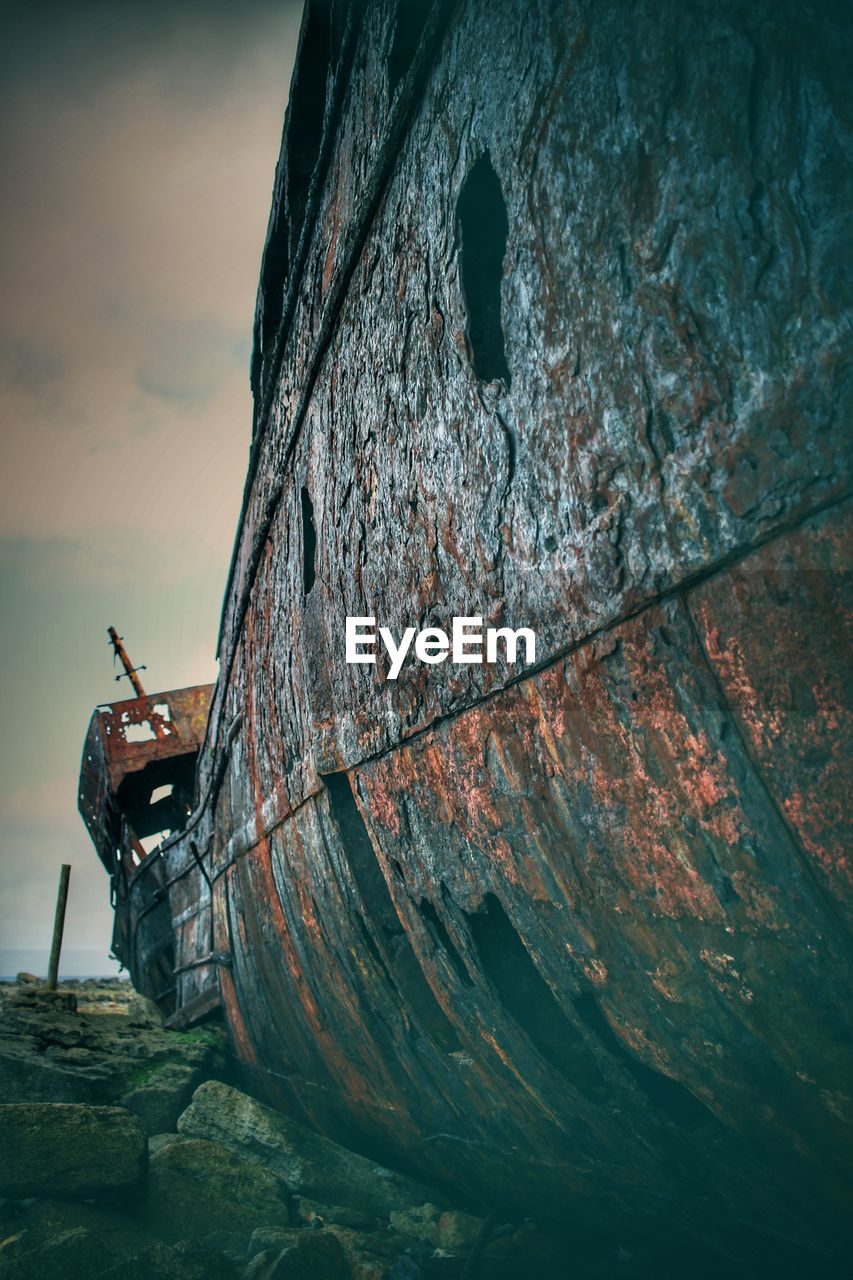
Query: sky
x=138, y=144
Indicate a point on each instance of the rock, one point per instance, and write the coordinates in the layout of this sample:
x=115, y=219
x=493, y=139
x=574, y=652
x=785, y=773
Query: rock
x=27, y=1076
x=66, y=1149
x=265, y=1238
x=32, y=996
x=308, y=1163
x=232, y=1244
x=417, y=1223
x=262, y=1265
x=9, y=1246
x=162, y=1096
x=197, y=1187
x=46, y=1220
x=411, y=1265
x=452, y=1231
x=11, y=1214
x=110, y=1051
x=74, y=1255
x=142, y=1012
x=457, y=1231
x=312, y=1213
x=157, y=1141
x=187, y=1260
x=104, y=995
x=24, y=978
x=369, y=1257
x=312, y=1255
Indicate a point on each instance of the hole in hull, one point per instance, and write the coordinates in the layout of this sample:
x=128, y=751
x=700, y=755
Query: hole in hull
x=436, y=926
x=668, y=1095
x=526, y=996
x=483, y=227
x=360, y=856
x=309, y=542
x=379, y=911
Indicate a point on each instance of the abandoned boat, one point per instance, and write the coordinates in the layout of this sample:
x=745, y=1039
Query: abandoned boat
x=550, y=331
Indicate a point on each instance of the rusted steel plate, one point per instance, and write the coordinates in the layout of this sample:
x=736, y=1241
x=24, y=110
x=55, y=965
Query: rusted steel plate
x=317, y=227
x=155, y=727
x=670, y=411
x=780, y=639
x=571, y=910
x=132, y=747
x=613, y=810
x=123, y=739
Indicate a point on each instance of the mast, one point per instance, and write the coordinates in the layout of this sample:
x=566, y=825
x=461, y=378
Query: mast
x=129, y=670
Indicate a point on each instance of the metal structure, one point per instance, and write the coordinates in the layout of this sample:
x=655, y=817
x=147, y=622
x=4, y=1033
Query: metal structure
x=136, y=784
x=130, y=672
x=550, y=330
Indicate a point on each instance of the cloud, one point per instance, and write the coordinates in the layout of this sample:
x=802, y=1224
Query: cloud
x=190, y=364
x=188, y=47
x=30, y=859
x=27, y=367
x=133, y=220
x=42, y=803
x=138, y=144
x=102, y=559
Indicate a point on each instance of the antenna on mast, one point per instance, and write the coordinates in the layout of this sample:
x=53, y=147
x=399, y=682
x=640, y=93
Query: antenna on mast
x=129, y=670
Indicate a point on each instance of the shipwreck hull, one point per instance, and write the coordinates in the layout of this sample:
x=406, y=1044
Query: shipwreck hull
x=137, y=778
x=583, y=944
x=550, y=331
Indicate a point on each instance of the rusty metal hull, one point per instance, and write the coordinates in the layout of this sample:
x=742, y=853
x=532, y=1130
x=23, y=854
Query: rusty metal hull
x=575, y=937
x=132, y=749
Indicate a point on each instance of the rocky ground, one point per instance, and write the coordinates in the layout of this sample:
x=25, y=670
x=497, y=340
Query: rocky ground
x=133, y=1152
x=127, y=1153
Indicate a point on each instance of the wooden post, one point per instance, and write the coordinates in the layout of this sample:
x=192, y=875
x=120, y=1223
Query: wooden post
x=58, y=926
